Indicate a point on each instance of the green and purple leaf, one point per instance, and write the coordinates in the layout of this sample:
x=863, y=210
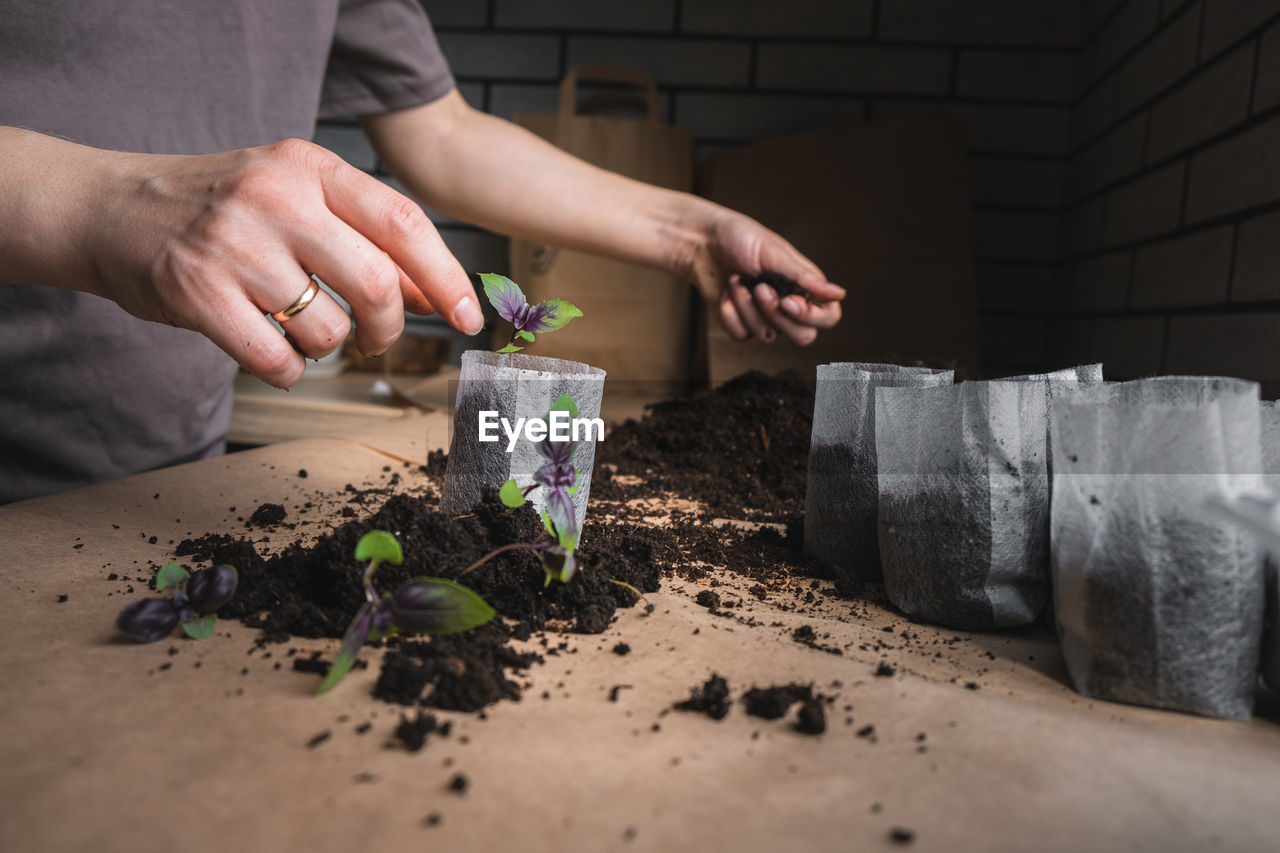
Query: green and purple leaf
x=563, y=518
x=148, y=620
x=171, y=576
x=356, y=635
x=209, y=589
x=504, y=295
x=198, y=629
x=437, y=606
x=557, y=315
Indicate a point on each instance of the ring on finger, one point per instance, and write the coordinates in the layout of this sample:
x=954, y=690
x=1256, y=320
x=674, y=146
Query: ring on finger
x=313, y=287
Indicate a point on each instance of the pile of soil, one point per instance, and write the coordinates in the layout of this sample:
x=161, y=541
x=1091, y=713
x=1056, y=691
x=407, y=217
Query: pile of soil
x=741, y=450
x=314, y=590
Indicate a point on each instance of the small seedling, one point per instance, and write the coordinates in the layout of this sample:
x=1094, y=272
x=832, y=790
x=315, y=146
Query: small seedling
x=509, y=300
x=195, y=600
x=420, y=606
x=560, y=478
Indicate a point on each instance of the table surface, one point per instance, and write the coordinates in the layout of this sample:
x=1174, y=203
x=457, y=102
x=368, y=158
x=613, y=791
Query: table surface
x=108, y=745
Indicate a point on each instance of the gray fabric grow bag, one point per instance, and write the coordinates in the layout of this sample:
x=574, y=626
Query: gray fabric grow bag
x=1158, y=601
x=841, y=494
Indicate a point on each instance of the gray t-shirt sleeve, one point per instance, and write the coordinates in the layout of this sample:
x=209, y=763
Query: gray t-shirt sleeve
x=384, y=57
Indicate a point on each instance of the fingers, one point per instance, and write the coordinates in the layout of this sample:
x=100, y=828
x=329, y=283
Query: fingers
x=783, y=258
x=319, y=328
x=771, y=309
x=244, y=333
x=730, y=319
x=360, y=273
x=749, y=312
x=399, y=228
x=803, y=312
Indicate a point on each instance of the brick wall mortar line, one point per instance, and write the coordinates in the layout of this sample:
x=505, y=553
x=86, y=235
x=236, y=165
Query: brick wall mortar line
x=1236, y=217
x=1201, y=62
x=1204, y=13
x=1261, y=306
x=1170, y=89
x=1253, y=79
x=1087, y=39
x=1188, y=154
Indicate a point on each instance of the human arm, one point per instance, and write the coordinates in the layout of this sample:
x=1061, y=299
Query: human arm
x=481, y=169
x=215, y=242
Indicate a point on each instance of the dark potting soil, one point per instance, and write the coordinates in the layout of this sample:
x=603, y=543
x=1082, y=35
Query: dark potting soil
x=781, y=285
x=772, y=703
x=313, y=591
x=266, y=515
x=741, y=450
x=711, y=698
x=812, y=719
x=413, y=732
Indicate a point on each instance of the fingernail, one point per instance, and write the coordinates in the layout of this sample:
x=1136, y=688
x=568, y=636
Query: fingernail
x=765, y=295
x=468, y=317
x=792, y=305
x=843, y=292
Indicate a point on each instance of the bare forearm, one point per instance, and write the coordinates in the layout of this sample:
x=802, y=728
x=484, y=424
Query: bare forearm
x=45, y=188
x=481, y=169
x=484, y=170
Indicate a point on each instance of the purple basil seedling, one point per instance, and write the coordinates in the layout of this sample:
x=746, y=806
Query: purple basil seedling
x=195, y=600
x=420, y=606
x=507, y=297
x=560, y=478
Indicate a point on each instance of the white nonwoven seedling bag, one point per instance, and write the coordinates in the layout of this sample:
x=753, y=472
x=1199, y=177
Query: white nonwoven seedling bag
x=515, y=385
x=1158, y=601
x=963, y=514
x=841, y=494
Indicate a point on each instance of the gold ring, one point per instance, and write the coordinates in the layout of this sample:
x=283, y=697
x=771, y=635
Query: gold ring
x=301, y=302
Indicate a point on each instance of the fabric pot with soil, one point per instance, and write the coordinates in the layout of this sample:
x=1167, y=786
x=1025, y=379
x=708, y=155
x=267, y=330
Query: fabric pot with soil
x=1158, y=602
x=964, y=501
x=841, y=497
x=1271, y=567
x=515, y=386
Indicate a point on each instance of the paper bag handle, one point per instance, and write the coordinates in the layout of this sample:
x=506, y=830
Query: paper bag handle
x=569, y=86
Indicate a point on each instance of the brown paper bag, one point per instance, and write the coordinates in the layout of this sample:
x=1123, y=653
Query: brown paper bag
x=637, y=321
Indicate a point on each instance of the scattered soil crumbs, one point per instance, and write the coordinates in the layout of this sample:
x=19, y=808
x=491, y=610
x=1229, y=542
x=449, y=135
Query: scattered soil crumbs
x=413, y=732
x=711, y=698
x=772, y=703
x=812, y=720
x=899, y=835
x=266, y=515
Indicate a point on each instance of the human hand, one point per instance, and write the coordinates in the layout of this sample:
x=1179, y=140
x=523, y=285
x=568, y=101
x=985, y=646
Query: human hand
x=215, y=243
x=738, y=249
